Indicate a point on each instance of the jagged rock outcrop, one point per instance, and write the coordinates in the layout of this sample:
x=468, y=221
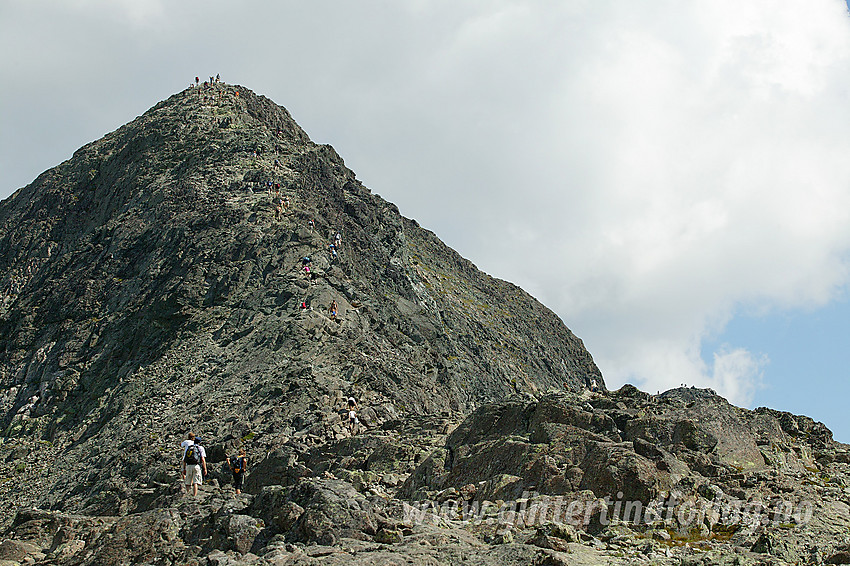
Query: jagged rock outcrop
x=549, y=480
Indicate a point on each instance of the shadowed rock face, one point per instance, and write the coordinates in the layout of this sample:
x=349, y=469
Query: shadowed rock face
x=151, y=287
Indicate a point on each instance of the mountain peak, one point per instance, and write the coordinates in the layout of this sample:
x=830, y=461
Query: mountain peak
x=207, y=268
x=156, y=281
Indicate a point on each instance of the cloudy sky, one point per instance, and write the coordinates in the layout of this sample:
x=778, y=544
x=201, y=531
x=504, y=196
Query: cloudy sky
x=672, y=178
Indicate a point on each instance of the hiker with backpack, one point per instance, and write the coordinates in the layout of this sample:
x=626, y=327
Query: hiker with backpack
x=238, y=466
x=194, y=458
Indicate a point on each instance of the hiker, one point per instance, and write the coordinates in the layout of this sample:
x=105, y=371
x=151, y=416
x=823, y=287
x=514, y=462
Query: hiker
x=217, y=78
x=194, y=458
x=311, y=224
x=197, y=80
x=238, y=466
x=333, y=310
x=304, y=305
x=338, y=239
x=353, y=421
x=594, y=387
x=332, y=250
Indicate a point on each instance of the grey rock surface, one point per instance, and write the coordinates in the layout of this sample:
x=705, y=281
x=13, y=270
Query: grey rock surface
x=153, y=285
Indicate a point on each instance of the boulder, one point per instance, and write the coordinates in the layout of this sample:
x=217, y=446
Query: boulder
x=241, y=531
x=280, y=467
x=332, y=509
x=16, y=550
x=274, y=507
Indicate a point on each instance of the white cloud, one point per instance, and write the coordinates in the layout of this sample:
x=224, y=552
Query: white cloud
x=647, y=170
x=659, y=364
x=663, y=175
x=135, y=13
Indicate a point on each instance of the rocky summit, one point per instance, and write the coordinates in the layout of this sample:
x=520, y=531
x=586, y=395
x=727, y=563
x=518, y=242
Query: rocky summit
x=207, y=268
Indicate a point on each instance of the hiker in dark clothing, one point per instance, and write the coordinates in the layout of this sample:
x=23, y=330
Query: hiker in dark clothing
x=238, y=466
x=353, y=421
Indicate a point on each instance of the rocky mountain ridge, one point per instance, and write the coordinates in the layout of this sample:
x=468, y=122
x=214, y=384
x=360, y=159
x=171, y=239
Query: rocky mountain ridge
x=180, y=274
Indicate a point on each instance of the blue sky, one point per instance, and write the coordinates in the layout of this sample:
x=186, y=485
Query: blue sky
x=671, y=178
x=809, y=360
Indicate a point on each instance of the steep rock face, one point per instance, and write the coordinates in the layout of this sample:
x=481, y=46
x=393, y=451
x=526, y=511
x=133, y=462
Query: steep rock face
x=152, y=286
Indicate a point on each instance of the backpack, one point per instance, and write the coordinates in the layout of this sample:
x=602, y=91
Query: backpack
x=193, y=455
x=238, y=465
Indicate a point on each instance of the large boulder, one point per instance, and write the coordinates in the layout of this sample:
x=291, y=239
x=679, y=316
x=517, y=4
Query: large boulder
x=699, y=421
x=136, y=539
x=332, y=509
x=280, y=467
x=316, y=510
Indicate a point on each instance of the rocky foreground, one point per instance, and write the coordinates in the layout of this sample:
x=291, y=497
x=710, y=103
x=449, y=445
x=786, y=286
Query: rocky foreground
x=158, y=282
x=618, y=478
